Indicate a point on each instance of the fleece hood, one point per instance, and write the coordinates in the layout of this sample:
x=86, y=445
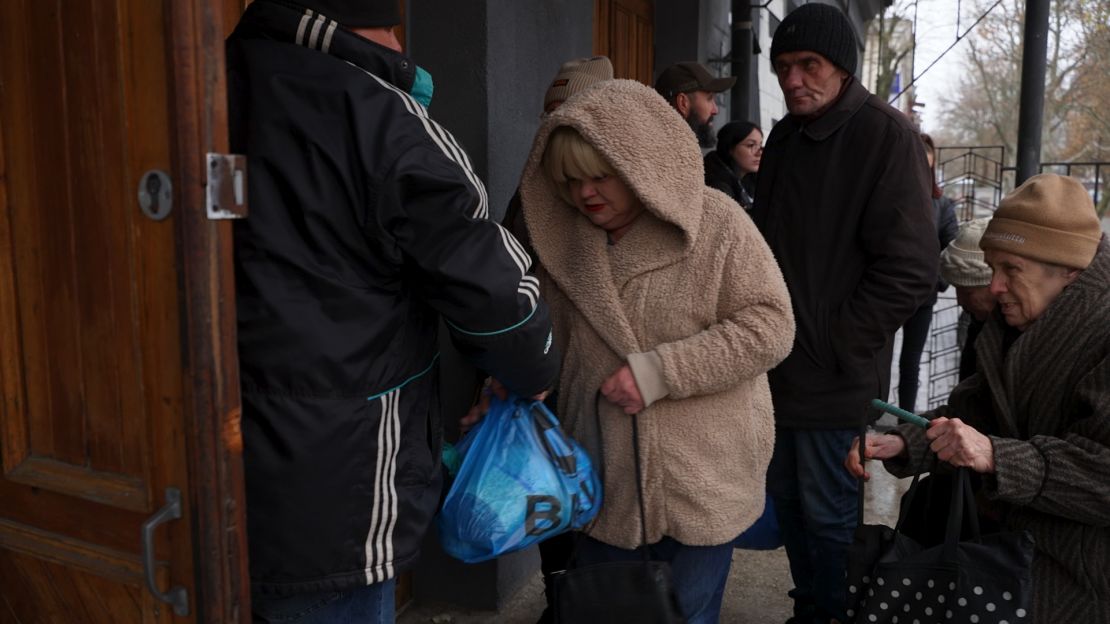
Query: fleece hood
x=646, y=141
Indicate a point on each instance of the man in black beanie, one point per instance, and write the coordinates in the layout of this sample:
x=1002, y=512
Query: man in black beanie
x=367, y=227
x=843, y=199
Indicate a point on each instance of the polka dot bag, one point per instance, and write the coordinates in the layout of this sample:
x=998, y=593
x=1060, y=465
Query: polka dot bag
x=984, y=579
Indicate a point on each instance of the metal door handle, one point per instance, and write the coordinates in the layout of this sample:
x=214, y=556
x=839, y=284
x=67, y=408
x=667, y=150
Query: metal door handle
x=176, y=597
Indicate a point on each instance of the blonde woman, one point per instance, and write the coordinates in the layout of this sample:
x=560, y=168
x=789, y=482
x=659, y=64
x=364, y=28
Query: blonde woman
x=667, y=301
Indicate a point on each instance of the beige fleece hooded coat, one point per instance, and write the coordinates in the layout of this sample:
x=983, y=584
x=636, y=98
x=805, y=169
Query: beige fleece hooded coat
x=690, y=296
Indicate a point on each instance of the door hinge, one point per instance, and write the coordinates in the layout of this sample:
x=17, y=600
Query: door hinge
x=227, y=186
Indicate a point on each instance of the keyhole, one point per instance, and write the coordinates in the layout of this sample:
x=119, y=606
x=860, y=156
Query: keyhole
x=151, y=187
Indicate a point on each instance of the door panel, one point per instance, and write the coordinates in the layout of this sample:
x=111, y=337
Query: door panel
x=108, y=318
x=70, y=582
x=624, y=31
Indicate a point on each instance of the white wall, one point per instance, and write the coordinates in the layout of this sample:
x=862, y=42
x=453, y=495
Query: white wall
x=772, y=106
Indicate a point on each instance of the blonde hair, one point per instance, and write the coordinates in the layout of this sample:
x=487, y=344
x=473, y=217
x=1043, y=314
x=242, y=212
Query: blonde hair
x=569, y=157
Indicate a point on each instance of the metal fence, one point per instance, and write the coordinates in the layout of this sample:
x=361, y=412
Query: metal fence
x=976, y=178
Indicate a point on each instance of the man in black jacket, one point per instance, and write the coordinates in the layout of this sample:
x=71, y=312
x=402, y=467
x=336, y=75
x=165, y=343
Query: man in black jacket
x=843, y=201
x=367, y=226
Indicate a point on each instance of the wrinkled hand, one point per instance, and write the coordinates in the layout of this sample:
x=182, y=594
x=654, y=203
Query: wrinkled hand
x=883, y=446
x=960, y=444
x=620, y=389
x=478, y=411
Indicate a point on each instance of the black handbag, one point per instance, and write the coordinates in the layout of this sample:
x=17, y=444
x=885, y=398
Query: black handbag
x=640, y=592
x=982, y=578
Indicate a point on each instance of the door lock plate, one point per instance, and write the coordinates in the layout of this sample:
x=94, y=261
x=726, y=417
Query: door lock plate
x=227, y=186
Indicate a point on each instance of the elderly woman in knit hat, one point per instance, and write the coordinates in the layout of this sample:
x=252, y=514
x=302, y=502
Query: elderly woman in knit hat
x=1034, y=420
x=669, y=310
x=962, y=265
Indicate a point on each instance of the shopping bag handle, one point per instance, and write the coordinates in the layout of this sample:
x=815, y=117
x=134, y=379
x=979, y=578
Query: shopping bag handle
x=546, y=429
x=962, y=503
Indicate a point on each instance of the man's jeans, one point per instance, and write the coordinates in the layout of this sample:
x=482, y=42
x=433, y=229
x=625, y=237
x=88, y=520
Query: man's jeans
x=699, y=572
x=816, y=502
x=372, y=604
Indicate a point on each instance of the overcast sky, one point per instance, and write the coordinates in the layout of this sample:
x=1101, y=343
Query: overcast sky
x=936, y=30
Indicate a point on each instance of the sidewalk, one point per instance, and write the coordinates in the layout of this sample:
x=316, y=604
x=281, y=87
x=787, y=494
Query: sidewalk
x=755, y=593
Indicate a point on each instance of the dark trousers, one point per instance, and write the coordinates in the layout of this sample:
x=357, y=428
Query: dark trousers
x=914, y=334
x=555, y=553
x=372, y=604
x=699, y=572
x=817, y=504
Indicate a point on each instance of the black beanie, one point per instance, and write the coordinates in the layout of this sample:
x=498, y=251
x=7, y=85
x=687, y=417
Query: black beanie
x=357, y=13
x=819, y=28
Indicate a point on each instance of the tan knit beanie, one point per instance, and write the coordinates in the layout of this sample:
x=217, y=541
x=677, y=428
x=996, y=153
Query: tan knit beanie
x=961, y=262
x=1050, y=218
x=575, y=76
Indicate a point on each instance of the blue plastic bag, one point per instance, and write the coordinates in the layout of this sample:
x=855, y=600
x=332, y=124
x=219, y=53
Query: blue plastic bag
x=764, y=533
x=522, y=480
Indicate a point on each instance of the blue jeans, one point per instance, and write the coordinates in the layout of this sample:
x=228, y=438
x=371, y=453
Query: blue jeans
x=699, y=572
x=372, y=604
x=817, y=505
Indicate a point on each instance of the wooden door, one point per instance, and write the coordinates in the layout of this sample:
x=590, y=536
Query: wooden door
x=117, y=348
x=624, y=31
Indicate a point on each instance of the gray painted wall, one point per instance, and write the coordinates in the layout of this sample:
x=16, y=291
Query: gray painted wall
x=528, y=41
x=676, y=32
x=492, y=61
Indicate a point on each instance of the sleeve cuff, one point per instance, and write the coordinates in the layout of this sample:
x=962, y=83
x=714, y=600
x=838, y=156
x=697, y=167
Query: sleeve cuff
x=647, y=369
x=1019, y=471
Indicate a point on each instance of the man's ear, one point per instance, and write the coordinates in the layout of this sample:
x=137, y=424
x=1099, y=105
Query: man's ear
x=682, y=104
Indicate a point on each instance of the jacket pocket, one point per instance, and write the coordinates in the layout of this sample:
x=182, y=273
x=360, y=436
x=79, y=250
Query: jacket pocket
x=814, y=337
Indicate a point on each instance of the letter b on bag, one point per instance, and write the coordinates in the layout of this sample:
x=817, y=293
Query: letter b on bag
x=543, y=514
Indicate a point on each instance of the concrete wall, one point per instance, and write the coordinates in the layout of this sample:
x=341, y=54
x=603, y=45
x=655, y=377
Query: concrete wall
x=492, y=61
x=676, y=32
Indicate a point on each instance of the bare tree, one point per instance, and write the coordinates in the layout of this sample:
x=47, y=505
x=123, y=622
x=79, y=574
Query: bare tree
x=891, y=34
x=983, y=110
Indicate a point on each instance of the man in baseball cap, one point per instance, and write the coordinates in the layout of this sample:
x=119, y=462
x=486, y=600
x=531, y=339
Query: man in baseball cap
x=692, y=91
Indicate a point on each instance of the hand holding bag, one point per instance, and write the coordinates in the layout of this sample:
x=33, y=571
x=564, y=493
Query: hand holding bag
x=893, y=579
x=522, y=480
x=633, y=592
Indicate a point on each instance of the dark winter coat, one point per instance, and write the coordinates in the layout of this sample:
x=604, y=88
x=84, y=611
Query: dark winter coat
x=1045, y=403
x=721, y=176
x=843, y=201
x=367, y=227
x=947, y=228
